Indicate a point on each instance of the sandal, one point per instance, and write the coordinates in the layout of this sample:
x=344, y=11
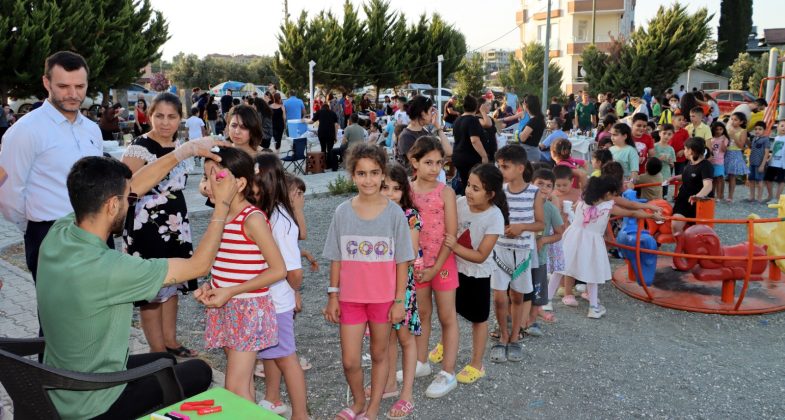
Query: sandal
x=498, y=353
x=305, y=364
x=182, y=351
x=495, y=334
x=547, y=317
x=470, y=374
x=347, y=414
x=403, y=406
x=437, y=354
x=385, y=395
x=569, y=300
x=259, y=370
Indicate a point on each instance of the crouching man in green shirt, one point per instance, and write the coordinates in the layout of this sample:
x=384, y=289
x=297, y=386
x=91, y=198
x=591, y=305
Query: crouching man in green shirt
x=86, y=291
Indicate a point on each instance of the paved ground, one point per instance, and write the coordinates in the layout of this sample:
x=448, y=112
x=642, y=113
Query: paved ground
x=639, y=361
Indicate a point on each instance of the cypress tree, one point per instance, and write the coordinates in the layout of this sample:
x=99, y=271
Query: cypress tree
x=735, y=26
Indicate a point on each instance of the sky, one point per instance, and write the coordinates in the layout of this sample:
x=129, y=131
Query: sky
x=250, y=27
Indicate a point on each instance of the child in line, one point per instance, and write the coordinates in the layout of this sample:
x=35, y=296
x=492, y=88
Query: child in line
x=514, y=253
x=697, y=128
x=624, y=151
x=297, y=196
x=734, y=156
x=561, y=153
x=598, y=158
x=566, y=198
x=696, y=182
x=653, y=175
x=643, y=142
x=680, y=136
x=482, y=215
x=396, y=188
x=272, y=197
x=369, y=246
x=719, y=145
x=544, y=180
x=759, y=157
x=665, y=153
x=775, y=174
x=241, y=315
x=586, y=257
x=439, y=272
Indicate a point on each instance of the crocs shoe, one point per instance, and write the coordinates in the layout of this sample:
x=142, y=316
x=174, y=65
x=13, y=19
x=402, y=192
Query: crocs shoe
x=442, y=384
x=534, y=330
x=569, y=300
x=469, y=374
x=515, y=352
x=278, y=408
x=423, y=369
x=596, y=312
x=437, y=354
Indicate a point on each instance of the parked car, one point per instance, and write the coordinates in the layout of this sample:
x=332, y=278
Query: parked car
x=728, y=100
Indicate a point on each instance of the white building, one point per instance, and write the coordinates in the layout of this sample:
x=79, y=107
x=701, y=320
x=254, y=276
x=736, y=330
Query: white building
x=703, y=80
x=571, y=30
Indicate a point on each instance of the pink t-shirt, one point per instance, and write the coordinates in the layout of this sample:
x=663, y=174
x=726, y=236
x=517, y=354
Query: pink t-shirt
x=718, y=155
x=573, y=163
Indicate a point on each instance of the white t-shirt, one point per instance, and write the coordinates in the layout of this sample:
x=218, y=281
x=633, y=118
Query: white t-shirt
x=286, y=234
x=194, y=125
x=778, y=153
x=401, y=117
x=472, y=228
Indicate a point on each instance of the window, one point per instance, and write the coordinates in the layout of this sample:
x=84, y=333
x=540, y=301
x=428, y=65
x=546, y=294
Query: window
x=724, y=96
x=710, y=85
x=578, y=75
x=737, y=97
x=582, y=34
x=554, y=35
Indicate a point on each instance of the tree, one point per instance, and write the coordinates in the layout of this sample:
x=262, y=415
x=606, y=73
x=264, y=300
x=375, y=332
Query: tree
x=470, y=76
x=525, y=76
x=159, y=82
x=427, y=39
x=653, y=57
x=735, y=26
x=291, y=59
x=386, y=33
x=747, y=71
x=707, y=57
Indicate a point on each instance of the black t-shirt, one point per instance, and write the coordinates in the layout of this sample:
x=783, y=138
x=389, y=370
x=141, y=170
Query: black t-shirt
x=537, y=125
x=463, y=129
x=449, y=115
x=226, y=103
x=212, y=112
x=692, y=178
x=327, y=120
x=554, y=110
x=405, y=141
x=489, y=139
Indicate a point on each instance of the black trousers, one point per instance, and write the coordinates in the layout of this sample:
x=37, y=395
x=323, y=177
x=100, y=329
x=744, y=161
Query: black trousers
x=144, y=395
x=326, y=143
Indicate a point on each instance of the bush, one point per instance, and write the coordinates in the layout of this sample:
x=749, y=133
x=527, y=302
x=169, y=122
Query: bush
x=341, y=185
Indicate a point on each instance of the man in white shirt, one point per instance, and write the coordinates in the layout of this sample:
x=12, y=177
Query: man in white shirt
x=39, y=150
x=401, y=117
x=195, y=125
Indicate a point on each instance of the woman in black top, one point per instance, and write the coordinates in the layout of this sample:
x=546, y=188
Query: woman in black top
x=328, y=129
x=266, y=114
x=469, y=149
x=531, y=134
x=696, y=181
x=279, y=119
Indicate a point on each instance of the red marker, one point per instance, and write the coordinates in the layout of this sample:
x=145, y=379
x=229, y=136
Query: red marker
x=209, y=410
x=195, y=405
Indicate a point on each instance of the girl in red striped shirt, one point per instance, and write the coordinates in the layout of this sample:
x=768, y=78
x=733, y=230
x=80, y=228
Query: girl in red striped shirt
x=240, y=311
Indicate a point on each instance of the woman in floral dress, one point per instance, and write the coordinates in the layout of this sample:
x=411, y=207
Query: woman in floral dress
x=158, y=227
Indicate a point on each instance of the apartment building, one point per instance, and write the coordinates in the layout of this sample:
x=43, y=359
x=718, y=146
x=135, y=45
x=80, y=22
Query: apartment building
x=571, y=30
x=496, y=59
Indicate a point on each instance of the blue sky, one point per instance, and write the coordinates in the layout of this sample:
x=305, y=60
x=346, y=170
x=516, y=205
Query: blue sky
x=244, y=27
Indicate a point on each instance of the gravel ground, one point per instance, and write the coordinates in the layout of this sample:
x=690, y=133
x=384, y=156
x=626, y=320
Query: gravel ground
x=640, y=360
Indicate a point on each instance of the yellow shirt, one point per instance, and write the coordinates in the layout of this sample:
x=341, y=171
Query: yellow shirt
x=754, y=117
x=703, y=131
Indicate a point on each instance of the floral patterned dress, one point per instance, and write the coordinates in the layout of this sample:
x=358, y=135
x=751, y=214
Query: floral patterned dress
x=411, y=316
x=158, y=227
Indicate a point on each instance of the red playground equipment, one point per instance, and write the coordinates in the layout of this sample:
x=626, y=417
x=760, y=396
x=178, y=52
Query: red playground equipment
x=702, y=274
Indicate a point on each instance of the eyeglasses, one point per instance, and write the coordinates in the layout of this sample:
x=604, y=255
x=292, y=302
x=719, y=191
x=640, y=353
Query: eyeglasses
x=132, y=198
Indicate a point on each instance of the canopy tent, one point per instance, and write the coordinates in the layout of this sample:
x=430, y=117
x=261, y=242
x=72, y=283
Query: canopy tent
x=220, y=89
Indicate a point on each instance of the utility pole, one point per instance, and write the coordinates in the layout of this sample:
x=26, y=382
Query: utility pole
x=547, y=58
x=593, y=19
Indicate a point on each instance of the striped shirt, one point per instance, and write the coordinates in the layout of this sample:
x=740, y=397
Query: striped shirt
x=521, y=211
x=239, y=259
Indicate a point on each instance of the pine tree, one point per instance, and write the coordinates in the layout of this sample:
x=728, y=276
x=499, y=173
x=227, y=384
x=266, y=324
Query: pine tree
x=735, y=26
x=386, y=31
x=525, y=76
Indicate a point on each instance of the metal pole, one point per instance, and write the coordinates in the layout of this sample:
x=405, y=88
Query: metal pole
x=593, y=19
x=773, y=56
x=781, y=111
x=546, y=59
x=440, y=59
x=311, y=64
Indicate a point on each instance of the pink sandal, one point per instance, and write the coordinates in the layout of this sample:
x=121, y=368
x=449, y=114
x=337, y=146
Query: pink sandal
x=569, y=300
x=547, y=317
x=348, y=414
x=385, y=395
x=403, y=406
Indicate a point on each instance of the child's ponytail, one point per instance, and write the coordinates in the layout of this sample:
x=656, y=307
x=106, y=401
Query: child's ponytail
x=599, y=186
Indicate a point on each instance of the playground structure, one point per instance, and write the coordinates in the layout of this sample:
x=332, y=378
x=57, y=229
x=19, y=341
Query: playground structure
x=702, y=274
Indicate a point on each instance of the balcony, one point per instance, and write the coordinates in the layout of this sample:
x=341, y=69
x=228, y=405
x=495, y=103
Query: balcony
x=543, y=15
x=576, y=48
x=603, y=6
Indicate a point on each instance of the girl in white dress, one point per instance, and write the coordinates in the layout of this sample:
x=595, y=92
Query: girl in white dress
x=585, y=255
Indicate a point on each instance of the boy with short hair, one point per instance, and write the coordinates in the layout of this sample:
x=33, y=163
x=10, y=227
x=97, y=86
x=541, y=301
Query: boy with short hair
x=563, y=185
x=665, y=153
x=652, y=175
x=515, y=254
x=697, y=128
x=667, y=114
x=544, y=180
x=680, y=136
x=775, y=173
x=195, y=125
x=759, y=156
x=644, y=143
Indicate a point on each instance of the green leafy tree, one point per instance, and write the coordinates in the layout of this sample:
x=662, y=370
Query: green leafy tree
x=735, y=26
x=653, y=57
x=386, y=34
x=427, y=39
x=747, y=71
x=524, y=76
x=470, y=76
x=294, y=52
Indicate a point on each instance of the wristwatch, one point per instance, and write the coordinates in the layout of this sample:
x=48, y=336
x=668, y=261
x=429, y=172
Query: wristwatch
x=333, y=290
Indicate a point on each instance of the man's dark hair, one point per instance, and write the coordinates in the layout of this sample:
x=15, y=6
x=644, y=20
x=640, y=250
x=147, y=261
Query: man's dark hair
x=194, y=111
x=653, y=166
x=93, y=180
x=762, y=102
x=228, y=91
x=354, y=118
x=70, y=61
x=639, y=116
x=469, y=103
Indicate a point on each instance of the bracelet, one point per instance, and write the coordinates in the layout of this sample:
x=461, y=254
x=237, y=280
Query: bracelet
x=218, y=220
x=333, y=290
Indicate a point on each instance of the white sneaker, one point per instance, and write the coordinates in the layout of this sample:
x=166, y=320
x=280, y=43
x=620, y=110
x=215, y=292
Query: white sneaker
x=548, y=307
x=279, y=408
x=442, y=384
x=423, y=369
x=596, y=312
x=580, y=287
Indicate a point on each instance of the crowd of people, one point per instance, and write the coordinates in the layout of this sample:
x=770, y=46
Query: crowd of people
x=511, y=227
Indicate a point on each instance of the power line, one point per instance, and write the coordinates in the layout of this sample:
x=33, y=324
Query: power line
x=422, y=66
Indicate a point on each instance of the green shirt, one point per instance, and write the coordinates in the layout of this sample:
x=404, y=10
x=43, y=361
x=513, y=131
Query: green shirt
x=354, y=134
x=85, y=294
x=552, y=219
x=667, y=155
x=584, y=113
x=628, y=157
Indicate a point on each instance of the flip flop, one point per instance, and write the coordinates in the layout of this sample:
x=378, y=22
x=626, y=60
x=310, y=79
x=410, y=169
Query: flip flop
x=182, y=351
x=403, y=406
x=347, y=414
x=386, y=395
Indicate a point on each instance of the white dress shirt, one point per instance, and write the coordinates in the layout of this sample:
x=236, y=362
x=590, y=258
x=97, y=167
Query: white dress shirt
x=38, y=152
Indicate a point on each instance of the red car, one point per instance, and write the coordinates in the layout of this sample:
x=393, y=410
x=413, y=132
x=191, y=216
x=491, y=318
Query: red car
x=728, y=100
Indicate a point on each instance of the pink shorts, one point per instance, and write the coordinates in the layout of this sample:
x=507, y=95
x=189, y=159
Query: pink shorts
x=359, y=313
x=446, y=279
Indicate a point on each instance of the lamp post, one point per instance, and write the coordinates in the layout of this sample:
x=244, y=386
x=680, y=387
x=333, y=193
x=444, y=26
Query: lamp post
x=440, y=59
x=546, y=60
x=311, y=65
